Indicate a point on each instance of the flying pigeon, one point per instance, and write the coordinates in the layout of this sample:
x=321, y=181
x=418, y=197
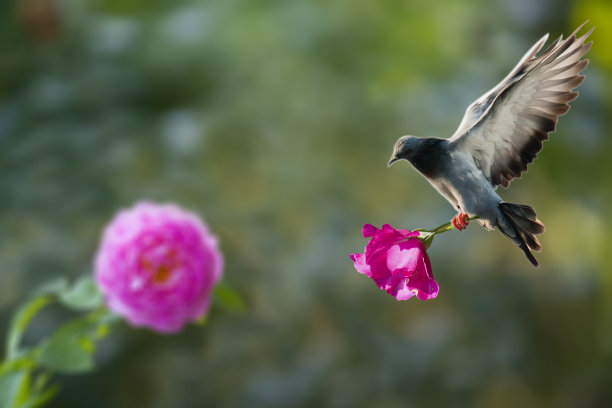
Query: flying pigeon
x=500, y=134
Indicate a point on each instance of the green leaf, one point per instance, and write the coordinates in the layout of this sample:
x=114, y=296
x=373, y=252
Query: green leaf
x=20, y=322
x=82, y=296
x=201, y=321
x=25, y=389
x=228, y=299
x=54, y=286
x=66, y=355
x=109, y=319
x=11, y=384
x=70, y=348
x=41, y=399
x=77, y=328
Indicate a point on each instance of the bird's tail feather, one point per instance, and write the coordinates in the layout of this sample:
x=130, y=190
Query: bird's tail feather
x=522, y=227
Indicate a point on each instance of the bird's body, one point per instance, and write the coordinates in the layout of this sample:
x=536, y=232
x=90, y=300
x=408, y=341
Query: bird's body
x=460, y=174
x=452, y=175
x=500, y=134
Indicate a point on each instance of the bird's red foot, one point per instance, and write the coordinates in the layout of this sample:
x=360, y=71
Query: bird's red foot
x=461, y=221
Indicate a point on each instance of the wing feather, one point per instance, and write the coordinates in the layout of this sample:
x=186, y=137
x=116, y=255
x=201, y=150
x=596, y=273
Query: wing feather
x=505, y=128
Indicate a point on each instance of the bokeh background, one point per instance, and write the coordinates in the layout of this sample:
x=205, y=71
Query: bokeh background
x=275, y=120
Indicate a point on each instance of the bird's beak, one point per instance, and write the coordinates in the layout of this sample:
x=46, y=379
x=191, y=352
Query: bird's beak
x=392, y=160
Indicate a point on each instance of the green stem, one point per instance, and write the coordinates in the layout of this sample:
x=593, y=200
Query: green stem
x=430, y=234
x=444, y=227
x=20, y=322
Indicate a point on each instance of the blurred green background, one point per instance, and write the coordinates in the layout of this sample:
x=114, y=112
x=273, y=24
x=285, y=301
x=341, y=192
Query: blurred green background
x=275, y=120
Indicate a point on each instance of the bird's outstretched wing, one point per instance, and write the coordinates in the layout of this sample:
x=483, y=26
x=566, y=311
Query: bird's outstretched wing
x=504, y=129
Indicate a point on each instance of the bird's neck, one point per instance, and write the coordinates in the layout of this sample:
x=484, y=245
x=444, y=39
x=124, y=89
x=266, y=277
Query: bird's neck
x=427, y=157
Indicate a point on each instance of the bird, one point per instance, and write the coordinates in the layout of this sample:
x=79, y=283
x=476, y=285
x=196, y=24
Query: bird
x=500, y=134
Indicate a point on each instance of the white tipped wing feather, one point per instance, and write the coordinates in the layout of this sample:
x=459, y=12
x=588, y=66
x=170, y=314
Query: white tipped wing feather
x=504, y=129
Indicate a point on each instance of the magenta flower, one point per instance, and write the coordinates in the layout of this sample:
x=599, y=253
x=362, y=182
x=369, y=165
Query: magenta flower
x=157, y=265
x=397, y=261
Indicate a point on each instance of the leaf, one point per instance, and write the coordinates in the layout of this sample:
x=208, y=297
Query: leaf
x=202, y=320
x=82, y=296
x=11, y=384
x=70, y=349
x=25, y=389
x=77, y=328
x=41, y=399
x=20, y=321
x=54, y=286
x=228, y=299
x=66, y=355
x=110, y=319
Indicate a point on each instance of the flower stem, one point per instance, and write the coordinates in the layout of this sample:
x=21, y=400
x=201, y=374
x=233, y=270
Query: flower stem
x=444, y=227
x=428, y=237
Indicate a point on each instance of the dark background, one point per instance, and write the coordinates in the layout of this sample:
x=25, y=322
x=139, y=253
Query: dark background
x=274, y=120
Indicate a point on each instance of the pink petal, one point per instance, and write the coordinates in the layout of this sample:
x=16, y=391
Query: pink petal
x=398, y=288
x=423, y=282
x=360, y=265
x=405, y=255
x=369, y=230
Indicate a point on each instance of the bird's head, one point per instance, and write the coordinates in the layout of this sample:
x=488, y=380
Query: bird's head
x=405, y=148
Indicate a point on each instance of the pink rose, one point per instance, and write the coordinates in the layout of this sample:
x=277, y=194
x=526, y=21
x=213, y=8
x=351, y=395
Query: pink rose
x=396, y=260
x=157, y=265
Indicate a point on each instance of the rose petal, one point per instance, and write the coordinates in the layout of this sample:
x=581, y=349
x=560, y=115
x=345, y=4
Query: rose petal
x=398, y=288
x=369, y=230
x=360, y=265
x=405, y=255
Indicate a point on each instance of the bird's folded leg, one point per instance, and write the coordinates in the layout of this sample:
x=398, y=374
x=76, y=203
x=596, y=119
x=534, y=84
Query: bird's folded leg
x=461, y=221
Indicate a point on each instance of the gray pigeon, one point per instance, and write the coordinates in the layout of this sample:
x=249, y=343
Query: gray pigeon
x=500, y=134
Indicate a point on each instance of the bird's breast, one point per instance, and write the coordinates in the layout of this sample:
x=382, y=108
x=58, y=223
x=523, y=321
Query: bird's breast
x=429, y=158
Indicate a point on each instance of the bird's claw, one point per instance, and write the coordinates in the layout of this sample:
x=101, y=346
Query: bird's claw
x=461, y=221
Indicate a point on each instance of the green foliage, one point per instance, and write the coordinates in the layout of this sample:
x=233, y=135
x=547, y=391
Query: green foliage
x=20, y=322
x=82, y=296
x=18, y=391
x=26, y=371
x=55, y=286
x=11, y=384
x=66, y=354
x=70, y=349
x=228, y=298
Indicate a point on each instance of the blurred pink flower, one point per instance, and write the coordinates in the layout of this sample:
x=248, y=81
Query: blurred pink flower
x=157, y=265
x=397, y=261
